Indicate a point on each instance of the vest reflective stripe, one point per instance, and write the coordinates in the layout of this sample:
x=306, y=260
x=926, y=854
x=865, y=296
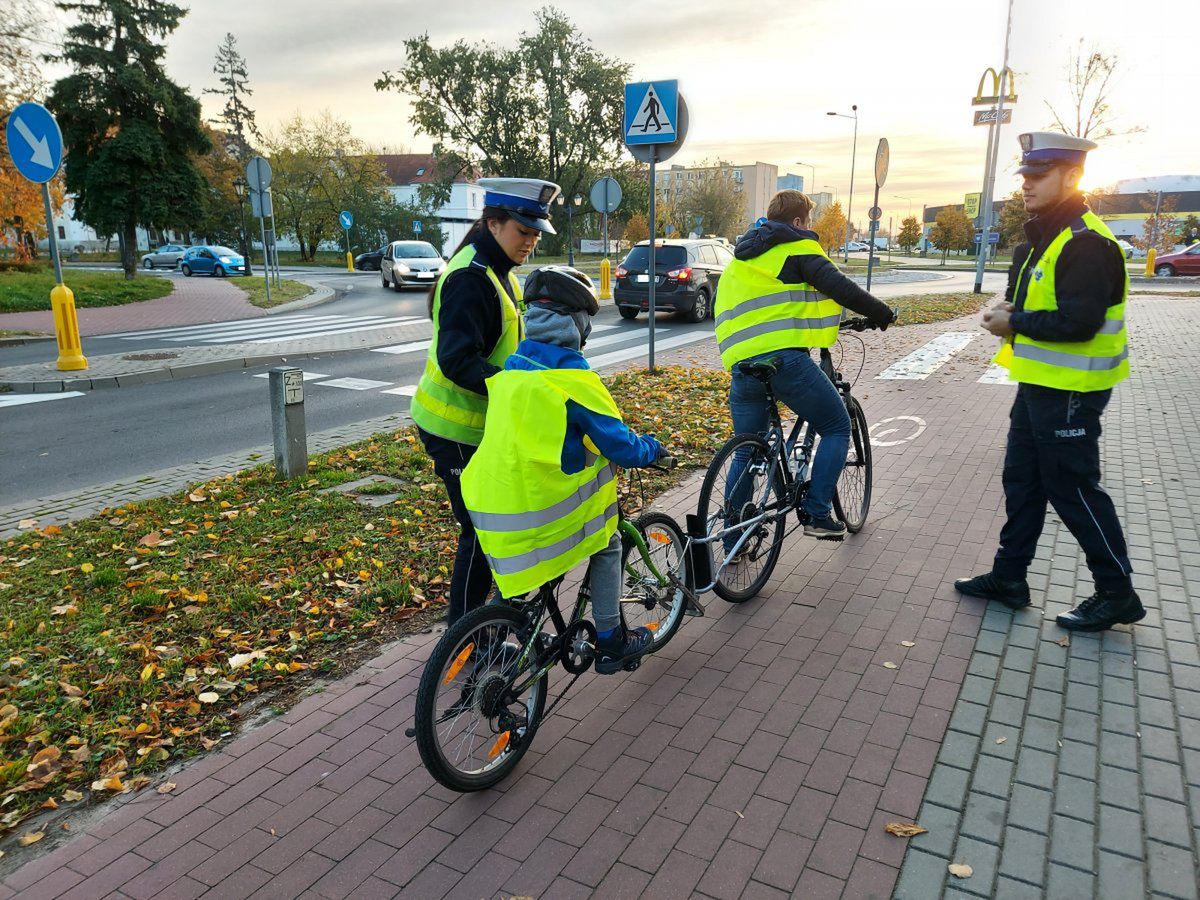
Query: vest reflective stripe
x=1069, y=360
x=519, y=521
x=534, y=521
x=1096, y=364
x=756, y=313
x=442, y=407
x=764, y=328
x=514, y=565
x=751, y=304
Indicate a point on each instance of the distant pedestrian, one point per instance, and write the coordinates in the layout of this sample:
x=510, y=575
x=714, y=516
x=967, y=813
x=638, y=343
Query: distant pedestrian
x=1063, y=325
x=477, y=310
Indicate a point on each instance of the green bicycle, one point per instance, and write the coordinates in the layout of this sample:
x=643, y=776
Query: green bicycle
x=483, y=692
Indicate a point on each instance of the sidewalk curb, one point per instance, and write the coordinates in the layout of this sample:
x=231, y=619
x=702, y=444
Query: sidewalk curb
x=320, y=294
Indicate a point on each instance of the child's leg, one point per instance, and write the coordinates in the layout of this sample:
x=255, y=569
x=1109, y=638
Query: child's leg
x=606, y=586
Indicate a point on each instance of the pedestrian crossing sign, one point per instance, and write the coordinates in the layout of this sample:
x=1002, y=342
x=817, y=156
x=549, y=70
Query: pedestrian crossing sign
x=651, y=112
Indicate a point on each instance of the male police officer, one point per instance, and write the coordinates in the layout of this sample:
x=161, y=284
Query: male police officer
x=1063, y=325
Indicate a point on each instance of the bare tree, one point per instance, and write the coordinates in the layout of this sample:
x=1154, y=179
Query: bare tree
x=1089, y=82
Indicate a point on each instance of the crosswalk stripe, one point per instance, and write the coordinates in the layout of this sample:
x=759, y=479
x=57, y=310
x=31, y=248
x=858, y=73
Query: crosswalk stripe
x=618, y=356
x=400, y=349
x=207, y=327
x=327, y=332
x=315, y=329
x=405, y=390
x=354, y=384
x=995, y=375
x=610, y=339
x=927, y=359
x=25, y=399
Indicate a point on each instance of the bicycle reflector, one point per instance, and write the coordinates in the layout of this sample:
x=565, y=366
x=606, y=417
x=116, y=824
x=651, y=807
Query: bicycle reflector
x=459, y=662
x=498, y=747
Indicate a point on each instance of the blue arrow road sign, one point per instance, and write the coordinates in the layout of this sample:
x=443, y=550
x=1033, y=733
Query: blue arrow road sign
x=993, y=237
x=346, y=219
x=416, y=226
x=34, y=142
x=651, y=112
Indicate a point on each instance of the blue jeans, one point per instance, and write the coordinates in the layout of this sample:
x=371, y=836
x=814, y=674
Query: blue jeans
x=805, y=390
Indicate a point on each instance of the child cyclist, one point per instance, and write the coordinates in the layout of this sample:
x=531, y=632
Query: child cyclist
x=541, y=489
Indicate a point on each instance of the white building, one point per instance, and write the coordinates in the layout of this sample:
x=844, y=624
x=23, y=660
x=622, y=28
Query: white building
x=408, y=171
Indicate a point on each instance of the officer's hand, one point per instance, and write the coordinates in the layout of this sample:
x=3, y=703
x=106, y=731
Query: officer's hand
x=997, y=321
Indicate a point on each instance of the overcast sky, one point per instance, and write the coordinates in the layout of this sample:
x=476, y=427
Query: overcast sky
x=759, y=77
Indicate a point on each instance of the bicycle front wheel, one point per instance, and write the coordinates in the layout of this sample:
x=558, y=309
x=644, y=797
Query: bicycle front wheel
x=743, y=484
x=852, y=496
x=472, y=729
x=644, y=602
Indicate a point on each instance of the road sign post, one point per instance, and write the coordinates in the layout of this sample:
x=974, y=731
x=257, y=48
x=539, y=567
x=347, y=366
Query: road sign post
x=883, y=158
x=606, y=197
x=258, y=178
x=36, y=146
x=657, y=105
x=346, y=220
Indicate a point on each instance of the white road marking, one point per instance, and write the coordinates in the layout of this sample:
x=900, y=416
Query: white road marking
x=618, y=356
x=399, y=349
x=355, y=384
x=405, y=390
x=996, y=375
x=926, y=360
x=25, y=399
x=308, y=376
x=332, y=331
x=915, y=424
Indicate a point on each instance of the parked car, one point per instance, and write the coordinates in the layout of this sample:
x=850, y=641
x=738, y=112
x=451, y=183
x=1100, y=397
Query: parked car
x=219, y=261
x=1126, y=248
x=1185, y=262
x=369, y=261
x=686, y=273
x=168, y=256
x=408, y=263
x=856, y=247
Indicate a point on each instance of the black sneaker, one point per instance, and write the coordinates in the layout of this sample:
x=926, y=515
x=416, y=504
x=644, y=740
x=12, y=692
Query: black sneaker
x=1013, y=594
x=1103, y=610
x=826, y=528
x=624, y=647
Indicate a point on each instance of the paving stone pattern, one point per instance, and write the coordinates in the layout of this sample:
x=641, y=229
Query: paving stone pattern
x=763, y=751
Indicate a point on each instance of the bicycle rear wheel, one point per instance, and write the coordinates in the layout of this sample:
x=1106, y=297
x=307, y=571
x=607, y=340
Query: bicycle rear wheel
x=743, y=483
x=645, y=603
x=852, y=496
x=471, y=731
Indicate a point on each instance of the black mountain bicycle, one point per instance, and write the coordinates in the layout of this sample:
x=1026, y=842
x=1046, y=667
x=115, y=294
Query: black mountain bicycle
x=755, y=480
x=483, y=692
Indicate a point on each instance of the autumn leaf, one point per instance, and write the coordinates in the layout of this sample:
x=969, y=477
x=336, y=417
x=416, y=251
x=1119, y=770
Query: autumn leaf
x=890, y=665
x=65, y=609
x=1001, y=740
x=153, y=539
x=960, y=870
x=71, y=796
x=904, y=829
x=239, y=660
x=198, y=496
x=1064, y=641
x=907, y=644
x=113, y=783
x=209, y=697
x=30, y=837
x=50, y=803
x=166, y=787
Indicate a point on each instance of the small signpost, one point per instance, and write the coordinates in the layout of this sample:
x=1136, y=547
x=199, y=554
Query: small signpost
x=258, y=179
x=36, y=146
x=417, y=227
x=346, y=220
x=883, y=158
x=656, y=122
x=606, y=197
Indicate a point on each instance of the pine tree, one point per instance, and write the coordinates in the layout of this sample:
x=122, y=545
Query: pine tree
x=130, y=133
x=236, y=118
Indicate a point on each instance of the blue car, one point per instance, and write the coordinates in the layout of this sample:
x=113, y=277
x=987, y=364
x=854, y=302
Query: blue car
x=219, y=261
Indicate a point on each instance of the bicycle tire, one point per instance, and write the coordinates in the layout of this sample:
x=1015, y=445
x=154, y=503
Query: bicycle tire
x=648, y=524
x=444, y=655
x=852, y=494
x=707, y=510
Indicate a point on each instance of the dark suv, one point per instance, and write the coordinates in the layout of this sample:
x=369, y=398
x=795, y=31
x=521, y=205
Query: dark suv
x=686, y=276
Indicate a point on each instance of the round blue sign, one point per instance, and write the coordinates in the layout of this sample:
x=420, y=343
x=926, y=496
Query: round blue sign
x=34, y=142
x=346, y=219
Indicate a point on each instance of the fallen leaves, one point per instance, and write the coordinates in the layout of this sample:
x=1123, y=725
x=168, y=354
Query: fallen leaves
x=71, y=796
x=1001, y=739
x=30, y=837
x=907, y=644
x=1064, y=641
x=904, y=829
x=890, y=665
x=166, y=787
x=114, y=784
x=960, y=870
x=198, y=496
x=209, y=697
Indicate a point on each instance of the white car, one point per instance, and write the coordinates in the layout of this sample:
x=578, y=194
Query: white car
x=1126, y=248
x=409, y=263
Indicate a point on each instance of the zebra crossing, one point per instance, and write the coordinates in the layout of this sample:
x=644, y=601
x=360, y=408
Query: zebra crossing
x=268, y=330
x=932, y=355
x=7, y=400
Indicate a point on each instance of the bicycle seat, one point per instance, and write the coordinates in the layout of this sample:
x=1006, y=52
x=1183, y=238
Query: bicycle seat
x=764, y=370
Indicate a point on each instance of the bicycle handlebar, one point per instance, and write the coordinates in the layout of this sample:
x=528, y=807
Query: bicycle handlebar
x=862, y=323
x=664, y=463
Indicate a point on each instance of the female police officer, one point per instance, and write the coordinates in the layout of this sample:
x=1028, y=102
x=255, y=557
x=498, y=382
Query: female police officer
x=476, y=309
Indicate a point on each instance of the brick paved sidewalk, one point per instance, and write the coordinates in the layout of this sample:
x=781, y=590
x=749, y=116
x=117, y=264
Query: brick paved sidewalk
x=193, y=301
x=764, y=750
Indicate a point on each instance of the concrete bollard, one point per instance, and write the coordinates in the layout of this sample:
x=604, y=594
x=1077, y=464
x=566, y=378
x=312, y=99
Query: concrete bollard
x=287, y=421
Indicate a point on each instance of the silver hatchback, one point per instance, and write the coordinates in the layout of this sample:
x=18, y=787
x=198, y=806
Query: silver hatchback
x=166, y=256
x=409, y=264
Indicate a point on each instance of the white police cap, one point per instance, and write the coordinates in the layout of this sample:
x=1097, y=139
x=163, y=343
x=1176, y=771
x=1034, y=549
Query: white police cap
x=526, y=199
x=1042, y=149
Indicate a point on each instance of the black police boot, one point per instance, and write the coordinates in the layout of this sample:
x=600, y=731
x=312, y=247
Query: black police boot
x=1013, y=594
x=1103, y=610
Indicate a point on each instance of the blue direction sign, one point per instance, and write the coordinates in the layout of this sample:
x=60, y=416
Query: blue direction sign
x=993, y=237
x=651, y=112
x=416, y=226
x=34, y=142
x=345, y=218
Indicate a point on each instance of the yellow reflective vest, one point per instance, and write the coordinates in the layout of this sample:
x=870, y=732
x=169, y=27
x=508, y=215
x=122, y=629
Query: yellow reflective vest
x=757, y=313
x=1093, y=365
x=447, y=409
x=534, y=521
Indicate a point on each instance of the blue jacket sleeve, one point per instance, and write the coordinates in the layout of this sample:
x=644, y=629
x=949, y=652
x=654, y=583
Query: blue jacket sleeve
x=613, y=438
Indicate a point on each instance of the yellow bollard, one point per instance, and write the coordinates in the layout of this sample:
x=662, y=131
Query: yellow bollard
x=605, y=280
x=349, y=262
x=1150, y=255
x=66, y=328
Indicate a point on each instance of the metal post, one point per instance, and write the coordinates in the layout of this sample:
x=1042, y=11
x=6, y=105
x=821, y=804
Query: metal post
x=653, y=238
x=287, y=421
x=850, y=199
x=989, y=178
x=871, y=247
x=1153, y=228
x=891, y=238
x=245, y=237
x=262, y=223
x=54, y=239
x=570, y=239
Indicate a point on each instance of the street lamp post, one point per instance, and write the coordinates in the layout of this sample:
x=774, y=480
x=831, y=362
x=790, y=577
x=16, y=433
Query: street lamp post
x=813, y=169
x=575, y=201
x=909, y=199
x=853, y=159
x=239, y=185
x=832, y=187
